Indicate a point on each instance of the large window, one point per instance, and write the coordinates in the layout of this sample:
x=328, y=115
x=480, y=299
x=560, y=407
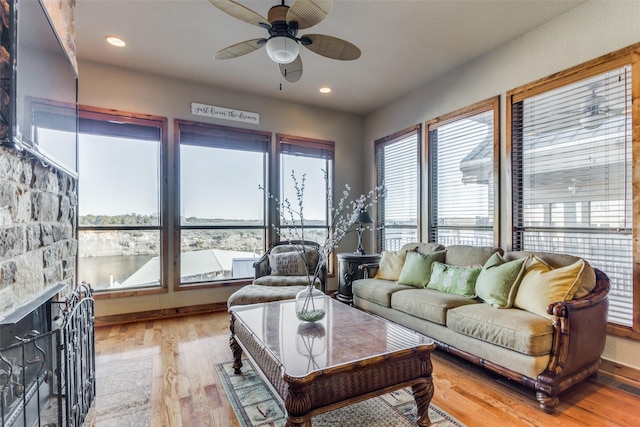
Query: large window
x=311, y=160
x=222, y=209
x=120, y=238
x=462, y=173
x=571, y=151
x=398, y=168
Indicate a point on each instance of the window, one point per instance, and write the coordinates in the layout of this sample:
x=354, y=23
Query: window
x=313, y=160
x=222, y=209
x=571, y=151
x=120, y=238
x=463, y=164
x=397, y=168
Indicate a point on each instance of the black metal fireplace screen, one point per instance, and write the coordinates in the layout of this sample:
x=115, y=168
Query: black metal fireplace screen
x=47, y=361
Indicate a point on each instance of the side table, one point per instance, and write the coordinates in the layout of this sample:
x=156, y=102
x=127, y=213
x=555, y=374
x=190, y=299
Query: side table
x=348, y=271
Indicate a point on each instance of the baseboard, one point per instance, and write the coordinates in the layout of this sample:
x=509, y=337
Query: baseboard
x=159, y=314
x=623, y=372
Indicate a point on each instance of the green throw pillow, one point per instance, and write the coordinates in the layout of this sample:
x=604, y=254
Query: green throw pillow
x=498, y=281
x=416, y=270
x=454, y=280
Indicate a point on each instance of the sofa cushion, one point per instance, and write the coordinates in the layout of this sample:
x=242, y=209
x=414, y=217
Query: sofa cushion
x=512, y=328
x=543, y=285
x=416, y=270
x=377, y=290
x=465, y=255
x=284, y=281
x=428, y=304
x=390, y=265
x=498, y=281
x=555, y=260
x=453, y=279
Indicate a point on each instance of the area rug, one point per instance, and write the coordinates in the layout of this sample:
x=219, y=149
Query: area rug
x=255, y=405
x=123, y=394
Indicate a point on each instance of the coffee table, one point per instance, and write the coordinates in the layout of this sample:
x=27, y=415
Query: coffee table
x=347, y=357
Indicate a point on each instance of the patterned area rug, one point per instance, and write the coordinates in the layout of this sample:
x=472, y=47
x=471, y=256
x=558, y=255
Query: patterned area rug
x=255, y=405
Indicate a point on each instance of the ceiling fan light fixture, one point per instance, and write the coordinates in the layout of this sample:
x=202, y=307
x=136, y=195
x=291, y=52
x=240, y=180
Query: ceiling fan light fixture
x=282, y=49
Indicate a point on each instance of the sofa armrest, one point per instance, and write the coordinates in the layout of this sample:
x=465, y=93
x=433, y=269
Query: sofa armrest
x=366, y=267
x=580, y=331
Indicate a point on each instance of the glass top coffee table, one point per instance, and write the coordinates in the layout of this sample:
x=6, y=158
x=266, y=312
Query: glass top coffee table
x=347, y=357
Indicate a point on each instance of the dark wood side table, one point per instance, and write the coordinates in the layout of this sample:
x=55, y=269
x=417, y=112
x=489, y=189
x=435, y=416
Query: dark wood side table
x=348, y=271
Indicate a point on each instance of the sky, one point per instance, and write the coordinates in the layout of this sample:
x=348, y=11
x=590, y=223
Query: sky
x=120, y=176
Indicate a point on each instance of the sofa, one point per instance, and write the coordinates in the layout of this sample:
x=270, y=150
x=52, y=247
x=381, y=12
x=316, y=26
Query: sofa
x=539, y=319
x=281, y=273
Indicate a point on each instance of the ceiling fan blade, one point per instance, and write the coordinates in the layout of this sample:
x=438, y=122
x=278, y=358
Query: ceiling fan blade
x=331, y=47
x=292, y=71
x=309, y=12
x=240, y=49
x=240, y=12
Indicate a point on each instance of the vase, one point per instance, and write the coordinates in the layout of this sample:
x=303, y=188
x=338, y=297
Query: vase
x=310, y=304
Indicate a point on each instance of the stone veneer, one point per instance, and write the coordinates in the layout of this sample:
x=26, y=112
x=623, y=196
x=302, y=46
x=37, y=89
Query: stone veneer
x=38, y=243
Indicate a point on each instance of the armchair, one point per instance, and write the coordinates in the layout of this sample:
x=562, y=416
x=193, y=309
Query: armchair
x=281, y=273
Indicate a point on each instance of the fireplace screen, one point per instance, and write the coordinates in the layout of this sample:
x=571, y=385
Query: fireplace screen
x=47, y=361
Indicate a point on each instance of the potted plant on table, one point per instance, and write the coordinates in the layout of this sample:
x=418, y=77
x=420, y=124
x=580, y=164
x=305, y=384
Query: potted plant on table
x=310, y=302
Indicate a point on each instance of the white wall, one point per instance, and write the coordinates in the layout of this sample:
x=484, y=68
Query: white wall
x=120, y=89
x=584, y=33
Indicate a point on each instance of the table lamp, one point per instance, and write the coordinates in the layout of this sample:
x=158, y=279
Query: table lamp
x=363, y=218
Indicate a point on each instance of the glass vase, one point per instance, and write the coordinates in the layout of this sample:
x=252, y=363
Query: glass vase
x=310, y=304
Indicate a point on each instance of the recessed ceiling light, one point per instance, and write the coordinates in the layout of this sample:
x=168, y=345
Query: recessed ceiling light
x=325, y=89
x=115, y=41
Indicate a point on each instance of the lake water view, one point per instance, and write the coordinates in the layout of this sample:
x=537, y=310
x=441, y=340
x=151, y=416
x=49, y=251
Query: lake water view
x=100, y=271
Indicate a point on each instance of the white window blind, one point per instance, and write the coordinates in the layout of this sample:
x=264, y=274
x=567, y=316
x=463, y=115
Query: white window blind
x=572, y=178
x=461, y=181
x=397, y=167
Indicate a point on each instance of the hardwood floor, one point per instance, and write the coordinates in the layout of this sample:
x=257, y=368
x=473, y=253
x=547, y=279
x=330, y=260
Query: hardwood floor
x=185, y=390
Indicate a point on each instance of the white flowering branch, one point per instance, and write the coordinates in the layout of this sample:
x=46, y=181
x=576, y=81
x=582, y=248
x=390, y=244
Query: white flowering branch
x=342, y=218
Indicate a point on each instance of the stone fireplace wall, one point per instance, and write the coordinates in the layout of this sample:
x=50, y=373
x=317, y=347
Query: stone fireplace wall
x=37, y=229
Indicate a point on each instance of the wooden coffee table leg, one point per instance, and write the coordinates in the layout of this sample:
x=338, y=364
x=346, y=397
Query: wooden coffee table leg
x=422, y=393
x=236, y=350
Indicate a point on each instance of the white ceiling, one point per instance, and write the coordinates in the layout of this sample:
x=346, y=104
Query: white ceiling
x=404, y=43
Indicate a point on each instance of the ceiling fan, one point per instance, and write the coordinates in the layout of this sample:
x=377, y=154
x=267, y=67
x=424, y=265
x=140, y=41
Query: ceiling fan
x=283, y=43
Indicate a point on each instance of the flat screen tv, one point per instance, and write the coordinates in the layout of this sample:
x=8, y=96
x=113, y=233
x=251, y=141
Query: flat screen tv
x=43, y=106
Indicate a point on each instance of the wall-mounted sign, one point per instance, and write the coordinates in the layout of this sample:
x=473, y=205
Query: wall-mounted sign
x=224, y=113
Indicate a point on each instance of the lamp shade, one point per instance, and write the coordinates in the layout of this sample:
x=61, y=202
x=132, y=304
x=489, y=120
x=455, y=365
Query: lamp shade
x=364, y=217
x=282, y=49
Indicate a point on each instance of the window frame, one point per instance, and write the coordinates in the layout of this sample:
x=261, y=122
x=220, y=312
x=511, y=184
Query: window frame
x=487, y=105
x=159, y=122
x=312, y=144
x=629, y=56
x=379, y=144
x=228, y=133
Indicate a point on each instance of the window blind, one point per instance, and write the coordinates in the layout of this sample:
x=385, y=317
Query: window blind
x=572, y=178
x=461, y=180
x=397, y=167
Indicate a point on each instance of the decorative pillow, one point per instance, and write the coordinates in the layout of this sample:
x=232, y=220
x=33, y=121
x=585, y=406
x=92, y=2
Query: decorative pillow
x=391, y=265
x=498, y=281
x=453, y=279
x=543, y=285
x=416, y=270
x=287, y=264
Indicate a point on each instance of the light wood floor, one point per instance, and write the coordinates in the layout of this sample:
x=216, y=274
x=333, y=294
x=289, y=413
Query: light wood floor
x=186, y=389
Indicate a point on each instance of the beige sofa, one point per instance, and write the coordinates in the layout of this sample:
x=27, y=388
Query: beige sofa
x=547, y=351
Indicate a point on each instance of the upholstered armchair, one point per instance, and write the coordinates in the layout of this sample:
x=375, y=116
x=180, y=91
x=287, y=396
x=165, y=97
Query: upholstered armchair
x=281, y=273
